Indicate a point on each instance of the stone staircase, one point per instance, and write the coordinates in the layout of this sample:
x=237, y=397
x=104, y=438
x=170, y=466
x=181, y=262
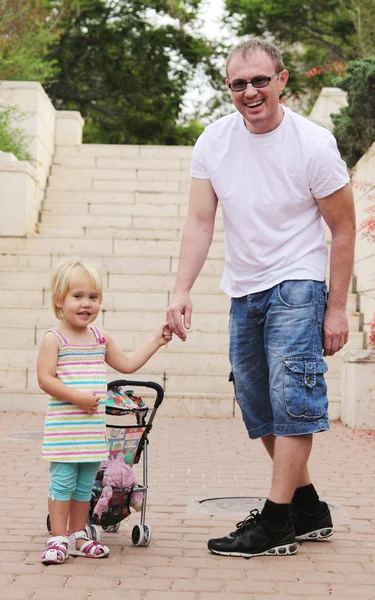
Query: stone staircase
x=123, y=208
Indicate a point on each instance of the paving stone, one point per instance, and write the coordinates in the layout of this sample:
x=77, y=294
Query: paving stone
x=177, y=564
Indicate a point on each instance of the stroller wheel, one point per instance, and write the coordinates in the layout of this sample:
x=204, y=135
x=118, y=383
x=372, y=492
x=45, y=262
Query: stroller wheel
x=148, y=534
x=113, y=528
x=138, y=535
x=93, y=532
x=48, y=524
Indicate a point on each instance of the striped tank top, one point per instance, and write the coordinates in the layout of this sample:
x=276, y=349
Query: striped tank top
x=70, y=434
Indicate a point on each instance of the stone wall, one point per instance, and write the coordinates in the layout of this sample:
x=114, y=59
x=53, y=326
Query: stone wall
x=363, y=180
x=22, y=184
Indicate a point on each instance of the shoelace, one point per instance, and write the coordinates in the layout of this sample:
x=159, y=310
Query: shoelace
x=251, y=521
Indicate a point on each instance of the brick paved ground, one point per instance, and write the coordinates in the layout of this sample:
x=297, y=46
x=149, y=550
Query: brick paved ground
x=191, y=459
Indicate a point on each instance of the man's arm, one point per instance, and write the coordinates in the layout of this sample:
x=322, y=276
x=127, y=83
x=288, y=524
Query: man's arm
x=338, y=212
x=196, y=240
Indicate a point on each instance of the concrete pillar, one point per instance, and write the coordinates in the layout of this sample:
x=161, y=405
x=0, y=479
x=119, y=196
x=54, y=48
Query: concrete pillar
x=329, y=102
x=358, y=389
x=17, y=196
x=69, y=125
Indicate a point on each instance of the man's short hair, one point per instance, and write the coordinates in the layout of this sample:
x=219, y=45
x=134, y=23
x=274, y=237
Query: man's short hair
x=257, y=44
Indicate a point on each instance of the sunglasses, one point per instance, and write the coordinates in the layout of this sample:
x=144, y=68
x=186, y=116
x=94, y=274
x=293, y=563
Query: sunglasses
x=239, y=85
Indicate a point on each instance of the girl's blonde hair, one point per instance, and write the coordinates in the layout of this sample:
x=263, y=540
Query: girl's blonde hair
x=66, y=276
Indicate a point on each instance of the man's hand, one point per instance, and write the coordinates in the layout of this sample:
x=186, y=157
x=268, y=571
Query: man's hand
x=88, y=401
x=179, y=314
x=335, y=330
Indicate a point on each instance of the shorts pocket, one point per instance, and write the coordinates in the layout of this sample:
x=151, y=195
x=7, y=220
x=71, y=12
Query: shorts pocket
x=305, y=389
x=297, y=293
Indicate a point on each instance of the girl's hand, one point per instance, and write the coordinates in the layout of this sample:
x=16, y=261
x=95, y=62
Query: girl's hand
x=163, y=335
x=88, y=401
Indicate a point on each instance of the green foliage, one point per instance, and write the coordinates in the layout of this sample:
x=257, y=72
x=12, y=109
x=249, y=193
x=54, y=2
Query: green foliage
x=187, y=133
x=355, y=123
x=320, y=36
x=27, y=28
x=125, y=70
x=124, y=64
x=12, y=138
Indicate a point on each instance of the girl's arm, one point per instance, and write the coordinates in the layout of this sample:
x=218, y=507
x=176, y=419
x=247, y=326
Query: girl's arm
x=129, y=363
x=48, y=382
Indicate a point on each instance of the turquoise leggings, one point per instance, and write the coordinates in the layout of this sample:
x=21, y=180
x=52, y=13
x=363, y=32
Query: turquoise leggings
x=72, y=481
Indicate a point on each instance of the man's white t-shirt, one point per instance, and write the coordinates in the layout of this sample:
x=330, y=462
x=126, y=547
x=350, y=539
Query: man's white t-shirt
x=267, y=185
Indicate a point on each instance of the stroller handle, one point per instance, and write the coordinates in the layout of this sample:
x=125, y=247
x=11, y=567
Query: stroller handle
x=148, y=384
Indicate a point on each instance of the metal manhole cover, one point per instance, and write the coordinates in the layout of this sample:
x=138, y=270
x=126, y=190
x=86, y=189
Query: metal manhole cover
x=233, y=504
x=243, y=505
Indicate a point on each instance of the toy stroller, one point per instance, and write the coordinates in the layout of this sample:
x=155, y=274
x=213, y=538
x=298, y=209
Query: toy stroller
x=131, y=441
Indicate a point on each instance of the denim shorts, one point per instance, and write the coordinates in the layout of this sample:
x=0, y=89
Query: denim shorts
x=276, y=357
x=72, y=481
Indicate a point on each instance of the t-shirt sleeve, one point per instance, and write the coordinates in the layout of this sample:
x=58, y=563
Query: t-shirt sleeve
x=198, y=164
x=328, y=172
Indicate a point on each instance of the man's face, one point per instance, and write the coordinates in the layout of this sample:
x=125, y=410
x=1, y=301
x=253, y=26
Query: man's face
x=260, y=107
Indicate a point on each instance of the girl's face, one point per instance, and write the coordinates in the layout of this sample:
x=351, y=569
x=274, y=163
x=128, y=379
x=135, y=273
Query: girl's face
x=81, y=304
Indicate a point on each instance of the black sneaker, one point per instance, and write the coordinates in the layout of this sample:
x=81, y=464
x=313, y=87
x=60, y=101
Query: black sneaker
x=317, y=526
x=256, y=537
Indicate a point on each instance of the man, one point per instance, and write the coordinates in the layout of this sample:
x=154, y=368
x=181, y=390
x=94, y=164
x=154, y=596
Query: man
x=275, y=174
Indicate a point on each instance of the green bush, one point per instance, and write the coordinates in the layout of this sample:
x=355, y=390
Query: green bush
x=355, y=124
x=12, y=138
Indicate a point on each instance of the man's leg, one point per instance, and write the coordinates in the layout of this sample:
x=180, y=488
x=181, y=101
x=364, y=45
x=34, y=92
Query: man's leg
x=269, y=444
x=289, y=463
x=289, y=319
x=254, y=536
x=293, y=346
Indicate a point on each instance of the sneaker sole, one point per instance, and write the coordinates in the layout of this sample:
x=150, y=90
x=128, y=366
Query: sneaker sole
x=284, y=550
x=315, y=536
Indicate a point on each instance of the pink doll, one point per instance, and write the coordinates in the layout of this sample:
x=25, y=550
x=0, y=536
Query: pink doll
x=117, y=474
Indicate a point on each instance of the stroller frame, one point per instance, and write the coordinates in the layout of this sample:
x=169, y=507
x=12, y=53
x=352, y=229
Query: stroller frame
x=141, y=534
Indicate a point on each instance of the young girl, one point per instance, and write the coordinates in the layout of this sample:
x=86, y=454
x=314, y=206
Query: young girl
x=71, y=370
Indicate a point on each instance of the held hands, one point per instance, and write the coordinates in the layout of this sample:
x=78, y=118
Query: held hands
x=335, y=330
x=88, y=401
x=179, y=314
x=163, y=335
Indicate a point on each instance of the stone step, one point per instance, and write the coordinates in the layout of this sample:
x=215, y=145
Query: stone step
x=164, y=360
x=117, y=300
x=174, y=404
x=72, y=163
x=144, y=266
x=172, y=380
x=125, y=185
x=116, y=232
x=212, y=406
x=96, y=173
x=115, y=209
x=128, y=222
x=334, y=407
x=134, y=319
x=211, y=342
x=168, y=359
x=119, y=151
x=128, y=300
x=173, y=364
x=54, y=197
x=117, y=245
x=17, y=275
x=112, y=232
x=142, y=281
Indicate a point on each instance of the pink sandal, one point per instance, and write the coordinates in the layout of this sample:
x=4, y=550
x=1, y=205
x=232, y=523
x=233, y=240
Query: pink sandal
x=89, y=549
x=56, y=551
